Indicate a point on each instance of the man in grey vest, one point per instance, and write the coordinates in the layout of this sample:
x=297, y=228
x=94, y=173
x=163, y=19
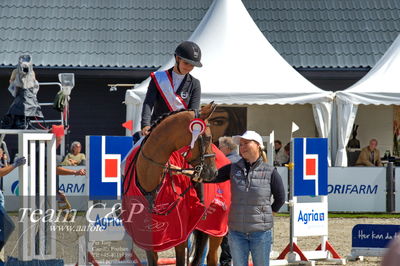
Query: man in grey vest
x=253, y=182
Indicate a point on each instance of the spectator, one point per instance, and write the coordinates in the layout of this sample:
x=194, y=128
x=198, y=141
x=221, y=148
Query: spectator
x=229, y=148
x=253, y=182
x=62, y=200
x=6, y=224
x=280, y=157
x=6, y=169
x=75, y=157
x=370, y=155
x=287, y=152
x=3, y=158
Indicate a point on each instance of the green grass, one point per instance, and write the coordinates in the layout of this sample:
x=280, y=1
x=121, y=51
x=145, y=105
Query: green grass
x=363, y=215
x=330, y=215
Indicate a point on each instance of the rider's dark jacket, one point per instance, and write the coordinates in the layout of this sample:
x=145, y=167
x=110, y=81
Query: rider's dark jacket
x=154, y=105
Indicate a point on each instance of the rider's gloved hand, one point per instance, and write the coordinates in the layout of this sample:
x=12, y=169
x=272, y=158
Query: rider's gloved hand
x=19, y=161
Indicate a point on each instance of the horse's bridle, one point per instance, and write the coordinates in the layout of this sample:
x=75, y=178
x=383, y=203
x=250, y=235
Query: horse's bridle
x=199, y=167
x=186, y=152
x=194, y=176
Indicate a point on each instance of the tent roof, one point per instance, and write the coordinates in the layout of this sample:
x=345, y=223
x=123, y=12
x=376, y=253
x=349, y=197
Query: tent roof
x=381, y=84
x=240, y=65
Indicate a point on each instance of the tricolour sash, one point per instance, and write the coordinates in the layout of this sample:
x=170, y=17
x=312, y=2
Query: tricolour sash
x=164, y=84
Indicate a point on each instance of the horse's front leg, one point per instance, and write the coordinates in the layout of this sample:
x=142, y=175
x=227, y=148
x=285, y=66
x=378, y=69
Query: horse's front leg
x=214, y=243
x=152, y=258
x=180, y=254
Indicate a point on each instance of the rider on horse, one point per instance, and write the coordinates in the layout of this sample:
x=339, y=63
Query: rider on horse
x=175, y=88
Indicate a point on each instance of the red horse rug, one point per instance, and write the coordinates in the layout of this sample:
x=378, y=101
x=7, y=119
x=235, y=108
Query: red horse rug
x=166, y=220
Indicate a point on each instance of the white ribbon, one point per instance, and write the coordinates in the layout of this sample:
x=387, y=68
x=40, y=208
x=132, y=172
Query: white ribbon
x=197, y=127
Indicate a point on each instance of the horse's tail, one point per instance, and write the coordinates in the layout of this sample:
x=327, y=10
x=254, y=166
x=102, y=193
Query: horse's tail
x=200, y=241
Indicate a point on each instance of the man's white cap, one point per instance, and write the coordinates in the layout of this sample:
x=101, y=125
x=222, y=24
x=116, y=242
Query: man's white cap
x=249, y=135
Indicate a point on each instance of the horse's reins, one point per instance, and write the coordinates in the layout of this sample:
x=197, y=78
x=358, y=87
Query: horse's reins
x=196, y=170
x=194, y=176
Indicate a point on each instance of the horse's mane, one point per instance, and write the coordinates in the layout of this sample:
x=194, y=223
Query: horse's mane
x=162, y=117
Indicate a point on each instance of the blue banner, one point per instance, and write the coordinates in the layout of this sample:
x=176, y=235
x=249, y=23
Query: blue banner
x=374, y=235
x=105, y=156
x=310, y=167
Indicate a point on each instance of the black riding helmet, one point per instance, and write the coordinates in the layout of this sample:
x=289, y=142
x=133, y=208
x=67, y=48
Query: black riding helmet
x=189, y=52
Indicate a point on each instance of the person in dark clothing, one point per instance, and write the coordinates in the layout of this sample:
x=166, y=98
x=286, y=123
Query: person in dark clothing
x=229, y=148
x=24, y=88
x=253, y=182
x=6, y=224
x=175, y=88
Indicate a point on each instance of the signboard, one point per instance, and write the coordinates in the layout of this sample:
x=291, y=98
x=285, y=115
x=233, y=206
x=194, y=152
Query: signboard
x=357, y=189
x=374, y=235
x=310, y=166
x=105, y=154
x=74, y=187
x=104, y=224
x=310, y=219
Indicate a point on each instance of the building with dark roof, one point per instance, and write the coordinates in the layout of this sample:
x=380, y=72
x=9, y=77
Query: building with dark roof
x=333, y=43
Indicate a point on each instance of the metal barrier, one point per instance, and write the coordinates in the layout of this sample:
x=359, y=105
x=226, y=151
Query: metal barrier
x=61, y=120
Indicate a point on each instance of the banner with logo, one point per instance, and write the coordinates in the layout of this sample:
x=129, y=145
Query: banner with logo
x=357, y=189
x=104, y=223
x=310, y=219
x=105, y=154
x=310, y=166
x=374, y=235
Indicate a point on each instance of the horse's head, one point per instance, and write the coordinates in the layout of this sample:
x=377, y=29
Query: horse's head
x=202, y=156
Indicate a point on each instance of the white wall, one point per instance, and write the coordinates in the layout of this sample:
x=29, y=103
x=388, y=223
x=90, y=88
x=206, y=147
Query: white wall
x=376, y=121
x=265, y=118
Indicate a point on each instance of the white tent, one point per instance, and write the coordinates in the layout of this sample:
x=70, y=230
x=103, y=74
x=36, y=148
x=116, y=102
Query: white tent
x=242, y=67
x=379, y=87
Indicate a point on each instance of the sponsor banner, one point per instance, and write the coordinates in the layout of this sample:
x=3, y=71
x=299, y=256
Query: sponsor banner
x=73, y=185
x=310, y=219
x=374, y=235
x=105, y=155
x=310, y=166
x=357, y=189
x=74, y=188
x=104, y=224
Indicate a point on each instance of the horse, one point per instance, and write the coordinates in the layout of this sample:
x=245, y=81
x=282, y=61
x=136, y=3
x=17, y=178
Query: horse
x=168, y=134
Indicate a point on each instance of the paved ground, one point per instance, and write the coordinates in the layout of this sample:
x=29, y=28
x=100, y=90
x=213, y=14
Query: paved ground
x=339, y=236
